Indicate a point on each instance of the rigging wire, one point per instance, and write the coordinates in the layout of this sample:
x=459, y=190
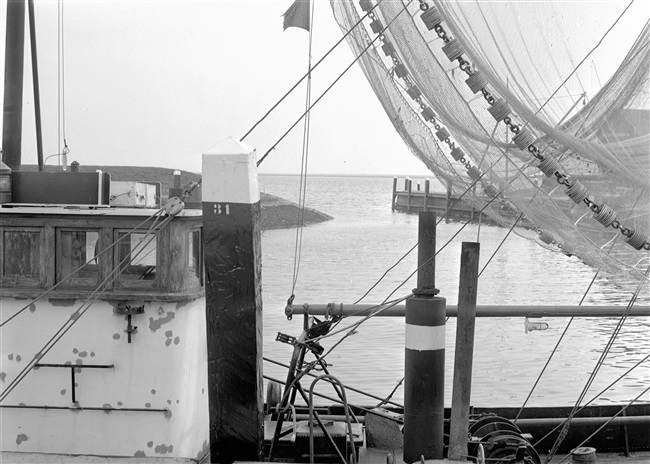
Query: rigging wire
x=73, y=273
x=596, y=369
x=309, y=72
x=570, y=321
x=330, y=86
x=439, y=250
x=575, y=69
x=606, y=423
x=62, y=152
x=303, y=165
x=595, y=397
x=451, y=207
x=516, y=221
x=76, y=315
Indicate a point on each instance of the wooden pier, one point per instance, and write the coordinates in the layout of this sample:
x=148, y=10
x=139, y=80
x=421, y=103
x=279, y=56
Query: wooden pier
x=414, y=199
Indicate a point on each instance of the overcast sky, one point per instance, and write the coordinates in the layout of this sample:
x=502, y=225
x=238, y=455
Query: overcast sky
x=156, y=83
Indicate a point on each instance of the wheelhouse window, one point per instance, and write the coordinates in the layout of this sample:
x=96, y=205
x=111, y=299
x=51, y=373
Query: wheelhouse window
x=136, y=258
x=77, y=256
x=21, y=250
x=195, y=257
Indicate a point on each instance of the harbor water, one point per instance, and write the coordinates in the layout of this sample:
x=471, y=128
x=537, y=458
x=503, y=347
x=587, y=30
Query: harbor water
x=343, y=258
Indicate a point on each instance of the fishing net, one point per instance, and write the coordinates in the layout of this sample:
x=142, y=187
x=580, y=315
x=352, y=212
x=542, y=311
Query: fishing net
x=593, y=202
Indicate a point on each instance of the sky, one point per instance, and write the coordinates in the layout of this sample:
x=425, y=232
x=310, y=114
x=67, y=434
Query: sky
x=158, y=83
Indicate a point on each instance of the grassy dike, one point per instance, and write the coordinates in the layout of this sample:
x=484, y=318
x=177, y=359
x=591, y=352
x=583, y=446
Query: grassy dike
x=277, y=213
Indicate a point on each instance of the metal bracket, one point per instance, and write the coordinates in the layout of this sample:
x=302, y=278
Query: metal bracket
x=129, y=311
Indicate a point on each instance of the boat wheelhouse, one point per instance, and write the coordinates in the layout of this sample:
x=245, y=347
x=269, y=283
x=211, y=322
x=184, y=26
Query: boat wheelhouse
x=103, y=327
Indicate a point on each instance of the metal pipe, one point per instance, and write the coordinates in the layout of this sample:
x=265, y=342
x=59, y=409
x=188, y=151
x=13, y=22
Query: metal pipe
x=346, y=309
x=81, y=408
x=424, y=355
x=347, y=387
x=552, y=421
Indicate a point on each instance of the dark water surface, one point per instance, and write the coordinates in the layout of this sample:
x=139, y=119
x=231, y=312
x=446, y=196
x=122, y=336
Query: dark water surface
x=343, y=258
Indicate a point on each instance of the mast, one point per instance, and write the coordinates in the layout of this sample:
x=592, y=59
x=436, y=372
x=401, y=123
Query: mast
x=13, y=91
x=37, y=93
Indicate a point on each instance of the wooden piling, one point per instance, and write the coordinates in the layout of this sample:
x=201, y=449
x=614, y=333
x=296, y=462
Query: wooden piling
x=467, y=291
x=448, y=207
x=424, y=355
x=392, y=205
x=426, y=194
x=232, y=250
x=409, y=185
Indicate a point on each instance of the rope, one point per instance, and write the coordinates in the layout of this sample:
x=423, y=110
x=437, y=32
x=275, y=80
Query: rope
x=308, y=73
x=548, y=361
x=437, y=252
x=586, y=56
x=570, y=320
x=502, y=242
x=303, y=166
x=595, y=397
x=69, y=276
x=76, y=315
x=592, y=376
x=416, y=244
x=606, y=423
x=330, y=87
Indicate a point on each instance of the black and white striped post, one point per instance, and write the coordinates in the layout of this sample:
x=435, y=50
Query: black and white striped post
x=424, y=363
x=233, y=294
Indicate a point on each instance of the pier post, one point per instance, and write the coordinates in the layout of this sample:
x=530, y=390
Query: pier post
x=392, y=206
x=448, y=206
x=460, y=403
x=427, y=186
x=408, y=196
x=424, y=357
x=232, y=250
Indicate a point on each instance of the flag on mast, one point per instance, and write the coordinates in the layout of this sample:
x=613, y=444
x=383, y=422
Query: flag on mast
x=297, y=15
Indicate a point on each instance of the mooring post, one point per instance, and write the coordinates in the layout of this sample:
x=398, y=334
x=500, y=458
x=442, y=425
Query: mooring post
x=232, y=250
x=424, y=358
x=392, y=206
x=467, y=290
x=408, y=195
x=427, y=186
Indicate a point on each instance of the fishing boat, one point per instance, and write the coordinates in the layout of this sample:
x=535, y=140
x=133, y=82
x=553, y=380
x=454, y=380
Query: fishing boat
x=131, y=323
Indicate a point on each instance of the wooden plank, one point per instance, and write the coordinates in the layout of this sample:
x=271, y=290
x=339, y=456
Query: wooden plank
x=462, y=383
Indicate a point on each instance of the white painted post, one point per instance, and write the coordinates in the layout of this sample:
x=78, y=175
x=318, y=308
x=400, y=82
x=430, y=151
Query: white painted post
x=233, y=263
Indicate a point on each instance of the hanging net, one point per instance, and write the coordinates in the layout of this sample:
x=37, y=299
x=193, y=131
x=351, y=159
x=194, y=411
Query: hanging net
x=496, y=98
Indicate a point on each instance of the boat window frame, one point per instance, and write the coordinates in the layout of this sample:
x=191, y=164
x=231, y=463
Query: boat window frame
x=25, y=281
x=132, y=284
x=196, y=274
x=75, y=282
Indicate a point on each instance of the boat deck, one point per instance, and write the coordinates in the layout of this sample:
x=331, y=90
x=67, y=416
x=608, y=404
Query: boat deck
x=366, y=456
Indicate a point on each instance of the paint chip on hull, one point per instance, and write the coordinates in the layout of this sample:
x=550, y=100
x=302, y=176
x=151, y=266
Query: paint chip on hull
x=163, y=449
x=21, y=438
x=155, y=324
